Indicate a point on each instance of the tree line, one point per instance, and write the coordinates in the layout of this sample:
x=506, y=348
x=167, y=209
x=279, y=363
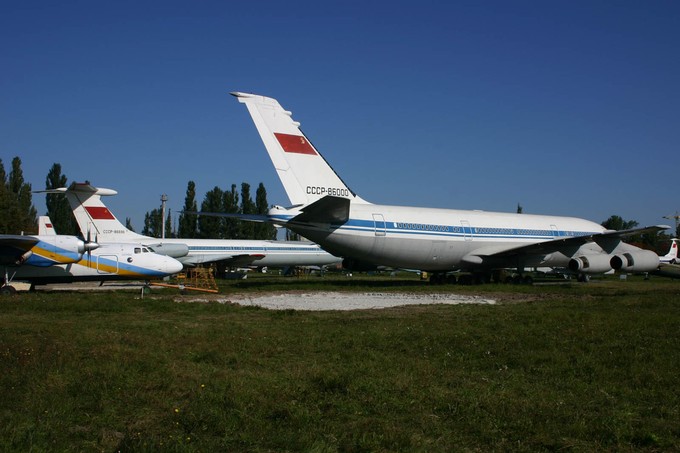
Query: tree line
x=18, y=215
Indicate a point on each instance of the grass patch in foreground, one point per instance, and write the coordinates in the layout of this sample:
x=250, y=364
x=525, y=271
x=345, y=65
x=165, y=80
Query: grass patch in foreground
x=584, y=368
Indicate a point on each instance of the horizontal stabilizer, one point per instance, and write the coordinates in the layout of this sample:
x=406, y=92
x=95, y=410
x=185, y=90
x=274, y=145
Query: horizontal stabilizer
x=231, y=215
x=83, y=188
x=329, y=209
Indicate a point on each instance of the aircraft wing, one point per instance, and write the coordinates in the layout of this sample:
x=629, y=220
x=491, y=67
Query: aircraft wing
x=229, y=259
x=13, y=248
x=243, y=260
x=329, y=209
x=568, y=246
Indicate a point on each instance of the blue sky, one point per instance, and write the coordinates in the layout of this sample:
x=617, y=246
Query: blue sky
x=565, y=107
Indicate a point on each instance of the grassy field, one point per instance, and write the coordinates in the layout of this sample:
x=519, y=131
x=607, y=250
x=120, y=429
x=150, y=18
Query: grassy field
x=582, y=367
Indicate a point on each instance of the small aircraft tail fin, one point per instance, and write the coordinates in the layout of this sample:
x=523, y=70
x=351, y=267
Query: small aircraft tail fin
x=94, y=219
x=672, y=255
x=45, y=227
x=304, y=173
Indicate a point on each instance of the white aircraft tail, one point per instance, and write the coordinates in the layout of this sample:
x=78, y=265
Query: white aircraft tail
x=672, y=255
x=304, y=173
x=45, y=227
x=93, y=217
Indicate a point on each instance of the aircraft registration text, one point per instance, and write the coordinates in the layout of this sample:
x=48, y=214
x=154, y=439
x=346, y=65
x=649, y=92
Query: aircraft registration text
x=334, y=191
x=114, y=232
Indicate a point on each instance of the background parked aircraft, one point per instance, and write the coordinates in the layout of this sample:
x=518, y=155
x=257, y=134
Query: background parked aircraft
x=95, y=219
x=326, y=211
x=672, y=256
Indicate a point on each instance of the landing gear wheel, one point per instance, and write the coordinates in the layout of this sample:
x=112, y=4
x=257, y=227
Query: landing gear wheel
x=8, y=290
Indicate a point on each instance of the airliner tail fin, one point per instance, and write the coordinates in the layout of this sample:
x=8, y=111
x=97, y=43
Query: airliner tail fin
x=304, y=173
x=93, y=217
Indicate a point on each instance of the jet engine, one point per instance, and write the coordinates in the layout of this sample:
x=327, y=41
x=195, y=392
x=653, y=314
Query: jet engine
x=170, y=249
x=591, y=264
x=638, y=261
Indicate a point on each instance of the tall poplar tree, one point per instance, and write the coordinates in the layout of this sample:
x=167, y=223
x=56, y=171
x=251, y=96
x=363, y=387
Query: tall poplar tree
x=232, y=227
x=19, y=214
x=247, y=207
x=263, y=230
x=188, y=223
x=5, y=221
x=58, y=208
x=211, y=227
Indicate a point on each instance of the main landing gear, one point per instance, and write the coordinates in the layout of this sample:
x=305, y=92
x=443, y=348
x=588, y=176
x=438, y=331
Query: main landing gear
x=479, y=278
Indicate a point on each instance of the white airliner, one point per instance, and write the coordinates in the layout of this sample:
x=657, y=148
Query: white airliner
x=327, y=212
x=95, y=219
x=52, y=258
x=672, y=256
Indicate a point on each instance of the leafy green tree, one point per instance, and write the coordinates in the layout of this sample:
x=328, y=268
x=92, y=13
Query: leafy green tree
x=5, y=201
x=188, y=223
x=247, y=207
x=232, y=227
x=128, y=224
x=211, y=227
x=19, y=214
x=649, y=241
x=58, y=207
x=264, y=231
x=616, y=222
x=153, y=224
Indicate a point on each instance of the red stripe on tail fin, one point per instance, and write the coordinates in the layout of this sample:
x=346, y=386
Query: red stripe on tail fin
x=295, y=144
x=99, y=213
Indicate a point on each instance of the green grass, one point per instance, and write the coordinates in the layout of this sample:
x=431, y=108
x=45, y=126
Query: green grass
x=578, y=368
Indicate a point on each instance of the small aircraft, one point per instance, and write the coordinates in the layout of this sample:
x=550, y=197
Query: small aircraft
x=94, y=217
x=325, y=210
x=52, y=258
x=672, y=256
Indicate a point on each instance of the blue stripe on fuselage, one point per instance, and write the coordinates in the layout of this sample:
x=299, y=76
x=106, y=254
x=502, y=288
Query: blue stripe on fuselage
x=450, y=231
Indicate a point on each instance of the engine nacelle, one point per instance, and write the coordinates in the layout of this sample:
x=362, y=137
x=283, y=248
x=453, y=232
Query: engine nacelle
x=56, y=249
x=638, y=261
x=591, y=264
x=358, y=266
x=170, y=249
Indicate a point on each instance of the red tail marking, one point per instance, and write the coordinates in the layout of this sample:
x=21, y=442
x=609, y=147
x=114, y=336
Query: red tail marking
x=295, y=144
x=99, y=213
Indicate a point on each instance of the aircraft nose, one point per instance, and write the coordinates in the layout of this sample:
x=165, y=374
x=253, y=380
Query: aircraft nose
x=172, y=266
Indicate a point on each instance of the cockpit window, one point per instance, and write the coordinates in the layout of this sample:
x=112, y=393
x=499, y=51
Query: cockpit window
x=138, y=250
x=145, y=250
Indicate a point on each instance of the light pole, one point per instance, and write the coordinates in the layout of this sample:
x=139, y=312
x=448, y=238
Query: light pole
x=164, y=198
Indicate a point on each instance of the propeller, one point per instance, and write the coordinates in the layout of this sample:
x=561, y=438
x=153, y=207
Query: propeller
x=89, y=246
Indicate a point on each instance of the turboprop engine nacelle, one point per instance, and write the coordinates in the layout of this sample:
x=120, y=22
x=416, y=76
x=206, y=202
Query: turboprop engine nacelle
x=58, y=249
x=591, y=264
x=638, y=261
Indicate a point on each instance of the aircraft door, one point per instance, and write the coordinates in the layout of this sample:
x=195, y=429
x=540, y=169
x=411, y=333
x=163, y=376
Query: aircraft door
x=467, y=230
x=379, y=225
x=107, y=264
x=555, y=231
